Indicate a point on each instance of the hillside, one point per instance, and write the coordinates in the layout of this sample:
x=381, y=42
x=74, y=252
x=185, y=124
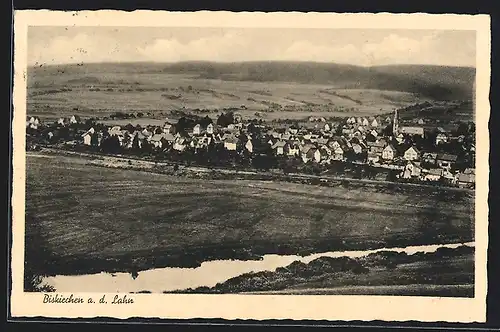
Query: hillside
x=434, y=82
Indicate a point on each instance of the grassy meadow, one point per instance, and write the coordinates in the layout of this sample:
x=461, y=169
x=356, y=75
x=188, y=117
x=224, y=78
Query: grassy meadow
x=87, y=219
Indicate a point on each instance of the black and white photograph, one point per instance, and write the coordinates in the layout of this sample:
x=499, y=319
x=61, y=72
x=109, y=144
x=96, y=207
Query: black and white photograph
x=250, y=161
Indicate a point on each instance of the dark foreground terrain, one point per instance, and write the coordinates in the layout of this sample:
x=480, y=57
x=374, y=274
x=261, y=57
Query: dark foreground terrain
x=446, y=272
x=86, y=219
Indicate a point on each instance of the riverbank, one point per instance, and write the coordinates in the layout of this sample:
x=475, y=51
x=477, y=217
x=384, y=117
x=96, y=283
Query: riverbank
x=212, y=273
x=445, y=272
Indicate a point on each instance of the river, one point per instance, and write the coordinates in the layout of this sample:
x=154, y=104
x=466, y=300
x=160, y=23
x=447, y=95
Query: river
x=208, y=274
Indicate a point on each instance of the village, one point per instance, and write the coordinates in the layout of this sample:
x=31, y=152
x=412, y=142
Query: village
x=381, y=145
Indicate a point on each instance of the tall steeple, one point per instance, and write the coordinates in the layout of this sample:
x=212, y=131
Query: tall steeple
x=395, y=124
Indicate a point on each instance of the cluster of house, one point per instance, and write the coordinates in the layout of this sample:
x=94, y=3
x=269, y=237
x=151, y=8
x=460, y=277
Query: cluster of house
x=357, y=139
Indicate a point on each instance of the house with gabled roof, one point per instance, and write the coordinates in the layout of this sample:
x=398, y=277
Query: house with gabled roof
x=197, y=129
x=411, y=170
x=168, y=128
x=445, y=160
x=278, y=147
x=338, y=152
x=465, y=180
x=87, y=136
x=75, y=119
x=147, y=134
x=357, y=148
x=230, y=143
x=249, y=145
x=115, y=131
x=325, y=150
x=291, y=149
x=210, y=128
x=374, y=154
x=351, y=120
x=433, y=174
x=180, y=144
x=312, y=155
x=429, y=158
x=63, y=121
x=389, y=152
x=156, y=140
x=411, y=154
x=441, y=138
x=347, y=130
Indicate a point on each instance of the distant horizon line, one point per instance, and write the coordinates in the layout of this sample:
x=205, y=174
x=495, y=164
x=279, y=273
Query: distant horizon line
x=244, y=61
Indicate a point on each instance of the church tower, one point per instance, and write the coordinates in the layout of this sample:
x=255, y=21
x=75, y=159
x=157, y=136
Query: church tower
x=395, y=124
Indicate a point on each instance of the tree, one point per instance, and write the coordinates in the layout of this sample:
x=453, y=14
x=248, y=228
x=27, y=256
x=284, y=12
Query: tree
x=90, y=122
x=111, y=144
x=94, y=139
x=204, y=122
x=463, y=128
x=184, y=124
x=225, y=119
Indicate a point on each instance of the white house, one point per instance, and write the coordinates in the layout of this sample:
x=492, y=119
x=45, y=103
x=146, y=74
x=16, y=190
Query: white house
x=389, y=152
x=338, y=153
x=197, y=129
x=419, y=131
x=278, y=147
x=291, y=150
x=230, y=143
x=115, y=131
x=74, y=119
x=411, y=154
x=249, y=146
x=167, y=128
x=411, y=170
x=210, y=129
x=434, y=174
x=156, y=140
x=400, y=138
x=441, y=138
x=179, y=144
x=33, y=122
x=87, y=136
x=357, y=148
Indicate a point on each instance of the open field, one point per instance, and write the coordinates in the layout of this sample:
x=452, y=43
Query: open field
x=162, y=93
x=101, y=89
x=88, y=219
x=446, y=272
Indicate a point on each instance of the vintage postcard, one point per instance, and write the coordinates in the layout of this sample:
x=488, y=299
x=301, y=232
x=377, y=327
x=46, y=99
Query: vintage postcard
x=318, y=166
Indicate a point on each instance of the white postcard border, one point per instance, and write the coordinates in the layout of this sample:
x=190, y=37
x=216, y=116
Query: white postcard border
x=257, y=307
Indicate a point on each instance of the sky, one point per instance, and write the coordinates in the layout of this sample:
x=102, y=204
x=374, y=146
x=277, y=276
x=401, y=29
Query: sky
x=363, y=47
